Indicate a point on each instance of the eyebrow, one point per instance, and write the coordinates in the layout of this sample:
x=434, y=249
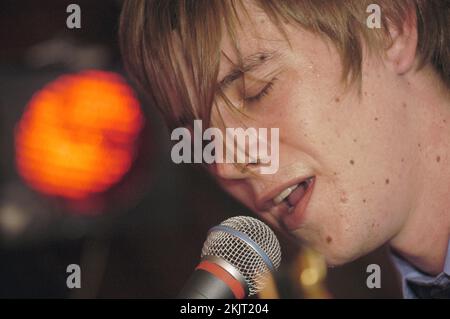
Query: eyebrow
x=249, y=63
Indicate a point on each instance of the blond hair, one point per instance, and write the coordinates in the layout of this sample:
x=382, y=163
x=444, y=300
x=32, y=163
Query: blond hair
x=148, y=28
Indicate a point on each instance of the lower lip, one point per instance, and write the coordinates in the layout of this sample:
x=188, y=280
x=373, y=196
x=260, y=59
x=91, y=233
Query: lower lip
x=296, y=218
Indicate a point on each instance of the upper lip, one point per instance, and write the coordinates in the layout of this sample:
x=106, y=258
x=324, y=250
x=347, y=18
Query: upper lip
x=265, y=201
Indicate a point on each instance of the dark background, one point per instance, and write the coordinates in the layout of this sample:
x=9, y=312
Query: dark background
x=147, y=239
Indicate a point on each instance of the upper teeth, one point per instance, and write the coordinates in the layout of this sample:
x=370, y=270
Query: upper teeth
x=284, y=194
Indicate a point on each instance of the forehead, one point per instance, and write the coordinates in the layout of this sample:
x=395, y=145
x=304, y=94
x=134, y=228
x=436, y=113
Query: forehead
x=254, y=33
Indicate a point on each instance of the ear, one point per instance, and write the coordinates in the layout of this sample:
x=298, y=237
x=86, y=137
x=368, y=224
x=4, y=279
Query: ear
x=402, y=53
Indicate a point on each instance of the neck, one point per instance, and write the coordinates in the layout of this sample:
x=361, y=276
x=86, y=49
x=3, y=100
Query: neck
x=424, y=236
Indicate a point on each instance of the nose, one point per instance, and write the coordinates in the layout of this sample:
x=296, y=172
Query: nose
x=235, y=171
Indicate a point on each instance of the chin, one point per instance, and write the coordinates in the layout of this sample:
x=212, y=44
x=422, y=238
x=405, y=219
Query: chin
x=338, y=260
x=338, y=254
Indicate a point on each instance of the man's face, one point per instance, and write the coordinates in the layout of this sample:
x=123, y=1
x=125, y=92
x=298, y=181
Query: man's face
x=357, y=148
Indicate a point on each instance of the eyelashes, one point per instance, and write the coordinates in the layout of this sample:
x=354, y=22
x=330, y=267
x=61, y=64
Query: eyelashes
x=264, y=92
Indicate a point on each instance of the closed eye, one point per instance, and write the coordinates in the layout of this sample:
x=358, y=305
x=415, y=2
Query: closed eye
x=265, y=91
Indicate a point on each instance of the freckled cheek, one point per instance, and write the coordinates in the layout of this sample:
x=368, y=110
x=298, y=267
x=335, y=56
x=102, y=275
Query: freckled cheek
x=299, y=125
x=280, y=107
x=337, y=204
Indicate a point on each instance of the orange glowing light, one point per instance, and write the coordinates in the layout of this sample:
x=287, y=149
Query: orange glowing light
x=78, y=135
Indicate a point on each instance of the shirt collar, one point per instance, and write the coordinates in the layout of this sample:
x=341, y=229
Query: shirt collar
x=406, y=268
x=447, y=261
x=409, y=273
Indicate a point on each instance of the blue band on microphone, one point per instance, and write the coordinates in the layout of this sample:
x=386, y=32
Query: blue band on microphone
x=248, y=241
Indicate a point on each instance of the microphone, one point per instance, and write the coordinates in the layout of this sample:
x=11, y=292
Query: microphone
x=236, y=259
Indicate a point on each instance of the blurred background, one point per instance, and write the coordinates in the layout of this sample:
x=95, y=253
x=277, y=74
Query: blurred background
x=86, y=176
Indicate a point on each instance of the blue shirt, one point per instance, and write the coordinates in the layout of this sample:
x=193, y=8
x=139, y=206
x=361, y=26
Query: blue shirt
x=416, y=284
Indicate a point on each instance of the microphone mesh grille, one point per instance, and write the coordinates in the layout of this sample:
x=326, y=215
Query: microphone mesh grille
x=242, y=256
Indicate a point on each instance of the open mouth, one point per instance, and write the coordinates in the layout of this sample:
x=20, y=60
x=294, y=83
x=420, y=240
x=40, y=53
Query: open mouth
x=295, y=199
x=292, y=195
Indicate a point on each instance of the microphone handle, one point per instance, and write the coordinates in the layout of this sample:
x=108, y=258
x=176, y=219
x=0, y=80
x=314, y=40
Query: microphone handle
x=204, y=285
